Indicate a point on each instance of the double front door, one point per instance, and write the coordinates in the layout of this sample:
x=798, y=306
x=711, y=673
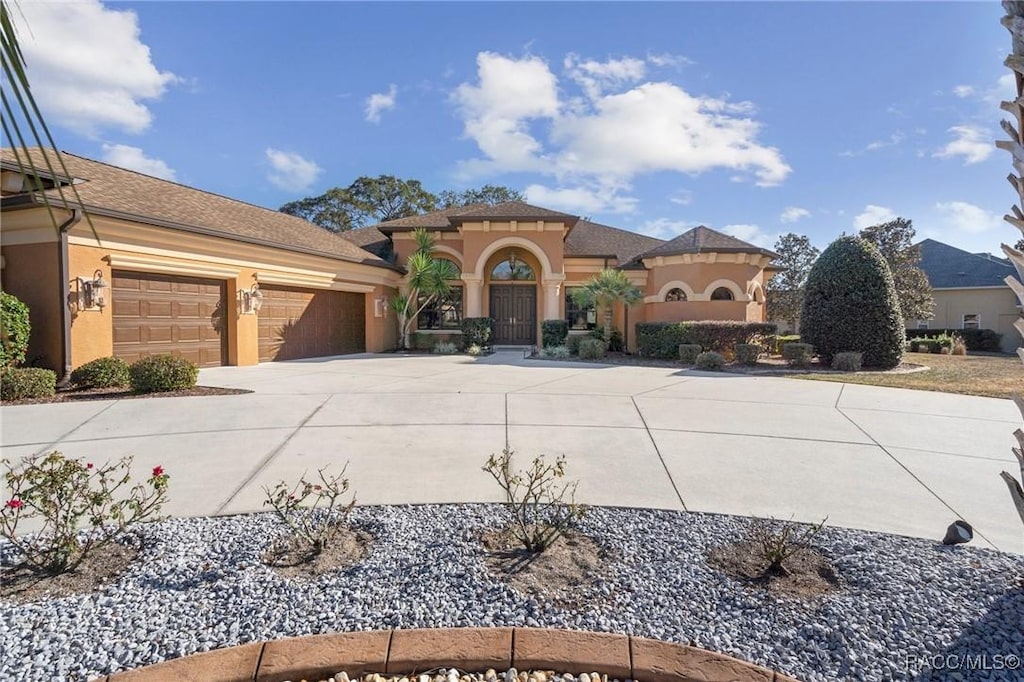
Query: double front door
x=514, y=311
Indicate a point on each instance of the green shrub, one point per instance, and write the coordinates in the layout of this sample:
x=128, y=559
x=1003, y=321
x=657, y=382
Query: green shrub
x=914, y=345
x=688, y=352
x=850, y=304
x=572, y=342
x=556, y=352
x=19, y=383
x=477, y=330
x=553, y=332
x=159, y=373
x=14, y=330
x=614, y=344
x=975, y=339
x=591, y=349
x=474, y=350
x=798, y=354
x=662, y=339
x=102, y=373
x=748, y=353
x=781, y=341
x=848, y=361
x=710, y=360
x=444, y=348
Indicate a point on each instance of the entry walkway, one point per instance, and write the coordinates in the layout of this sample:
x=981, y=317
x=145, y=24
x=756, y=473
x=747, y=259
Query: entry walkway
x=418, y=428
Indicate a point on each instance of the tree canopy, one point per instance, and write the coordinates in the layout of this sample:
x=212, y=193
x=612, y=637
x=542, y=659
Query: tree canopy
x=785, y=290
x=895, y=241
x=370, y=200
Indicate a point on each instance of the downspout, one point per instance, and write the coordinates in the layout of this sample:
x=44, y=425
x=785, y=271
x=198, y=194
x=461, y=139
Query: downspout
x=65, y=292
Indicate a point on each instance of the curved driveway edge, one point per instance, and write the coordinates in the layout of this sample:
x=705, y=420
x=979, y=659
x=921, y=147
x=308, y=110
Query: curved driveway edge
x=391, y=652
x=418, y=428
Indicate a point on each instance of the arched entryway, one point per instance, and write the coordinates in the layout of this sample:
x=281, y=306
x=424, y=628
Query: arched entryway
x=512, y=276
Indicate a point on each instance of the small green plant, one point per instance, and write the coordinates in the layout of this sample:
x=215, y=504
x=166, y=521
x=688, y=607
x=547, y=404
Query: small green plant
x=748, y=353
x=316, y=522
x=556, y=353
x=102, y=373
x=614, y=345
x=959, y=346
x=60, y=494
x=688, y=352
x=478, y=331
x=847, y=361
x=782, y=340
x=591, y=349
x=798, y=354
x=710, y=360
x=159, y=373
x=14, y=330
x=572, y=342
x=474, y=349
x=21, y=383
x=445, y=348
x=535, y=499
x=778, y=541
x=553, y=332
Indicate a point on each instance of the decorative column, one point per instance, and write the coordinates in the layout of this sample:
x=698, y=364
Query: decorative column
x=474, y=295
x=552, y=287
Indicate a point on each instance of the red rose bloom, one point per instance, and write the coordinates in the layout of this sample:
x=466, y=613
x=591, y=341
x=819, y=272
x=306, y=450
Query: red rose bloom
x=88, y=465
x=158, y=471
x=15, y=504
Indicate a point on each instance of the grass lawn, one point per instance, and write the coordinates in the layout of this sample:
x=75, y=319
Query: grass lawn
x=996, y=376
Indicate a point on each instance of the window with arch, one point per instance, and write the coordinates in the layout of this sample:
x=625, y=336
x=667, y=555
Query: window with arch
x=675, y=294
x=513, y=269
x=722, y=294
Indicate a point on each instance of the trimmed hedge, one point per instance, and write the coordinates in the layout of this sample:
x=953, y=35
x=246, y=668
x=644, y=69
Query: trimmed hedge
x=159, y=373
x=748, y=353
x=976, y=339
x=478, y=331
x=102, y=373
x=14, y=330
x=781, y=341
x=424, y=341
x=847, y=362
x=798, y=354
x=662, y=339
x=17, y=383
x=850, y=304
x=572, y=342
x=591, y=349
x=553, y=332
x=688, y=352
x=710, y=361
x=614, y=344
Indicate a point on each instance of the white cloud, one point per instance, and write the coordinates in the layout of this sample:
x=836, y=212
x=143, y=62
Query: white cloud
x=291, y=172
x=793, y=214
x=88, y=67
x=970, y=142
x=963, y=91
x=379, y=102
x=752, y=234
x=873, y=215
x=683, y=197
x=894, y=139
x=668, y=59
x=960, y=216
x=665, y=228
x=133, y=158
x=580, y=199
x=595, y=77
x=606, y=138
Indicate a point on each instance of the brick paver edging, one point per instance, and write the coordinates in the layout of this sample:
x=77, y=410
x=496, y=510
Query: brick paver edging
x=472, y=649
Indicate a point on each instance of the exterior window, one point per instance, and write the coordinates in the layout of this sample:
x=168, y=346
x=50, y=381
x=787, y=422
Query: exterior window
x=922, y=324
x=971, y=321
x=445, y=312
x=577, y=317
x=676, y=294
x=513, y=269
x=721, y=294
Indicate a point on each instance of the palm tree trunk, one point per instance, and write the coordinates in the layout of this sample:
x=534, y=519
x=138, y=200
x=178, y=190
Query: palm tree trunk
x=608, y=325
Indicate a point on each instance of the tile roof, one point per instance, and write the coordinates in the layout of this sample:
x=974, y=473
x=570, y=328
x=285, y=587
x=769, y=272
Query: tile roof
x=594, y=239
x=109, y=188
x=701, y=239
x=948, y=267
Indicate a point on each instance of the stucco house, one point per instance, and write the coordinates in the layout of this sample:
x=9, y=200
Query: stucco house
x=969, y=291
x=168, y=268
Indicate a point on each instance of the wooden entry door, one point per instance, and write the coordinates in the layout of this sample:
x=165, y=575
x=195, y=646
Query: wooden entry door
x=514, y=311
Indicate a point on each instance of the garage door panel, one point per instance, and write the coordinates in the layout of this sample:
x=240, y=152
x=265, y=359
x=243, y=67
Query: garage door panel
x=301, y=323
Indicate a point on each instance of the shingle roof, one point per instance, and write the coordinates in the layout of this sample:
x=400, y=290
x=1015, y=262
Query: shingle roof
x=512, y=210
x=594, y=239
x=109, y=188
x=439, y=220
x=704, y=239
x=370, y=239
x=948, y=267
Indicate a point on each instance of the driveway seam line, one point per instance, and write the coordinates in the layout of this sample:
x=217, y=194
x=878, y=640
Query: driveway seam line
x=270, y=457
x=657, y=450
x=842, y=387
x=762, y=435
x=61, y=439
x=507, y=444
x=914, y=476
x=651, y=390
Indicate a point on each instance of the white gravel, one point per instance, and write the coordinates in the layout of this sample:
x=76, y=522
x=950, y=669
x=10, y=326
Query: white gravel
x=910, y=608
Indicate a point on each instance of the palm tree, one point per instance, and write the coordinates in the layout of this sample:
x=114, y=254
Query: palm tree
x=604, y=290
x=428, y=279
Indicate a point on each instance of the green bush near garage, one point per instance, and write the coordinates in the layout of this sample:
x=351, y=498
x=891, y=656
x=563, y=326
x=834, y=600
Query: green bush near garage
x=20, y=383
x=14, y=330
x=160, y=373
x=553, y=333
x=591, y=349
x=102, y=373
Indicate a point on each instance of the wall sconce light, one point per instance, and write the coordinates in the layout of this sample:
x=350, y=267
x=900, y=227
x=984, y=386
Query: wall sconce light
x=90, y=294
x=380, y=307
x=512, y=259
x=250, y=302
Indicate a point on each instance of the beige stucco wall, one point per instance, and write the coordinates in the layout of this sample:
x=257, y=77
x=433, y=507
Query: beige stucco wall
x=996, y=306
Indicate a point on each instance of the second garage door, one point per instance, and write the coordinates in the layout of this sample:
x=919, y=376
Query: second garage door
x=305, y=323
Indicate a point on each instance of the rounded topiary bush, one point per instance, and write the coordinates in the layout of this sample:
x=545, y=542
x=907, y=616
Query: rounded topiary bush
x=591, y=349
x=14, y=330
x=710, y=360
x=19, y=383
x=102, y=373
x=159, y=373
x=850, y=304
x=688, y=352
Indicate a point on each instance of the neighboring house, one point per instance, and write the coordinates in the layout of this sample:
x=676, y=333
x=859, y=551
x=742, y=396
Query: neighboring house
x=173, y=269
x=969, y=291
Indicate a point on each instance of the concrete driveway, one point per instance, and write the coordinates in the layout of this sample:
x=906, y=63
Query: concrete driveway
x=418, y=428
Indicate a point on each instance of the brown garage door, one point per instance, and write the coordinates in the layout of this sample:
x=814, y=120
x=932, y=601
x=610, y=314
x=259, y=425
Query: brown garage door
x=307, y=323
x=156, y=314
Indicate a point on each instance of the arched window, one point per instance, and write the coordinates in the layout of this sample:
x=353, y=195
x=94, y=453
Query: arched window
x=675, y=294
x=513, y=269
x=722, y=294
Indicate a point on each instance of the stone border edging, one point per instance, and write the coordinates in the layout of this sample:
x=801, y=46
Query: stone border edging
x=474, y=649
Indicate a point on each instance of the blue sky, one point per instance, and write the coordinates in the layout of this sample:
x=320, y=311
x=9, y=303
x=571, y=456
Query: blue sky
x=752, y=118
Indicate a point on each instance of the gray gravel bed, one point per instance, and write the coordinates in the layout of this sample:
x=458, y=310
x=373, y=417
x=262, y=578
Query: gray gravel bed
x=909, y=609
